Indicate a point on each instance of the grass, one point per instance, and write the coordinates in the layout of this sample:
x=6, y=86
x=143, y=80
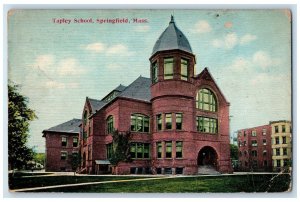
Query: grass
x=197, y=184
x=23, y=181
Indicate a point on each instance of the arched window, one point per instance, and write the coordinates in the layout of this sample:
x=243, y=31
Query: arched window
x=206, y=100
x=139, y=123
x=110, y=124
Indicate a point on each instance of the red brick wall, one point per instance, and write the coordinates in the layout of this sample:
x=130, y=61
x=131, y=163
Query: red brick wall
x=54, y=148
x=259, y=148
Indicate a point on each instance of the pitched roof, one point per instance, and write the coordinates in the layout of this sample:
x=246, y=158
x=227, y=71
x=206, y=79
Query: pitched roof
x=96, y=104
x=206, y=75
x=71, y=126
x=120, y=88
x=172, y=38
x=138, y=89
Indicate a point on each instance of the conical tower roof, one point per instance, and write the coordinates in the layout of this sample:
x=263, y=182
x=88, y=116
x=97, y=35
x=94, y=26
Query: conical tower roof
x=172, y=38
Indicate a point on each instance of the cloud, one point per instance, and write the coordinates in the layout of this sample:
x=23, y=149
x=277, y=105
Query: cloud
x=50, y=73
x=44, y=62
x=201, y=27
x=247, y=39
x=230, y=40
x=69, y=66
x=95, y=47
x=117, y=49
x=264, y=60
x=240, y=64
x=142, y=28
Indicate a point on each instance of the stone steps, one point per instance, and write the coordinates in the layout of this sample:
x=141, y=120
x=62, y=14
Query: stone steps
x=207, y=170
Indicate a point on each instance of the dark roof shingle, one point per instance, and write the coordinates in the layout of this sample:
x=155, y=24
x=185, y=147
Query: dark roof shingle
x=71, y=126
x=96, y=104
x=139, y=90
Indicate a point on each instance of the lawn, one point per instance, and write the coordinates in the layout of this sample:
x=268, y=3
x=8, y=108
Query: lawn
x=195, y=184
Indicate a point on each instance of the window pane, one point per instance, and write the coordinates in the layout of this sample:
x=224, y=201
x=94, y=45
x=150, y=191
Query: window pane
x=159, y=149
x=133, y=123
x=139, y=150
x=168, y=149
x=206, y=100
x=133, y=150
x=168, y=68
x=168, y=121
x=154, y=72
x=184, y=69
x=159, y=122
x=146, y=124
x=178, y=121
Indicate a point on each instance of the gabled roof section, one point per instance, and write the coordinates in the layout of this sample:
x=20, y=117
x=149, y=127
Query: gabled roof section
x=172, y=38
x=139, y=90
x=96, y=104
x=206, y=75
x=71, y=126
x=114, y=93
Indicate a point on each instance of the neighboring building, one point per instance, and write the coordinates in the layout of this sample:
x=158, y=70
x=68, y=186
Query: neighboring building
x=281, y=144
x=61, y=142
x=255, y=148
x=179, y=121
x=265, y=148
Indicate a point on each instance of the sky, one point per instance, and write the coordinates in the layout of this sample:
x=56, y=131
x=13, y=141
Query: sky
x=248, y=52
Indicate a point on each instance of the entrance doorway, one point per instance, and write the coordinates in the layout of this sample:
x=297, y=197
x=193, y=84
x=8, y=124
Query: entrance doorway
x=208, y=157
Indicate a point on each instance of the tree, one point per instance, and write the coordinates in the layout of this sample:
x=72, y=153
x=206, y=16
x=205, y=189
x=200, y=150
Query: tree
x=234, y=152
x=121, y=147
x=75, y=161
x=19, y=116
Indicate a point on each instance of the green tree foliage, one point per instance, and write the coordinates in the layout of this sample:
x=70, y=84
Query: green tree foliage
x=121, y=147
x=75, y=161
x=39, y=158
x=19, y=116
x=234, y=152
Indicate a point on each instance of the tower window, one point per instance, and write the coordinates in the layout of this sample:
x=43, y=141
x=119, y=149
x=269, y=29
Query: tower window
x=168, y=121
x=206, y=100
x=159, y=122
x=184, y=69
x=178, y=121
x=168, y=68
x=154, y=72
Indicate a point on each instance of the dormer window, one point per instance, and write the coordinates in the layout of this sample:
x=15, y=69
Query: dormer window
x=168, y=68
x=184, y=69
x=154, y=72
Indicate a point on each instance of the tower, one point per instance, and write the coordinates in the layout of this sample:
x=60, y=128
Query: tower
x=190, y=115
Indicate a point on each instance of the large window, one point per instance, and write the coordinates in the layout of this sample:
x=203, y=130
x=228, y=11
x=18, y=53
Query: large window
x=277, y=152
x=178, y=149
x=254, y=153
x=168, y=121
x=207, y=125
x=139, y=123
x=168, y=149
x=283, y=128
x=140, y=150
x=109, y=150
x=184, y=69
x=206, y=100
x=110, y=124
x=159, y=122
x=276, y=140
x=283, y=139
x=64, y=141
x=253, y=133
x=159, y=149
x=75, y=141
x=284, y=151
x=276, y=129
x=178, y=121
x=154, y=72
x=168, y=68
